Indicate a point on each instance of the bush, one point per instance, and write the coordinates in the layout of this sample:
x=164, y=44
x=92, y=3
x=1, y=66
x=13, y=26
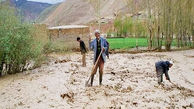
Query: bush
x=56, y=46
x=18, y=46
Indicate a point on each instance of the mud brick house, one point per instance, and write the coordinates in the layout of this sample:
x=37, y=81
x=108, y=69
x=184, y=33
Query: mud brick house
x=67, y=35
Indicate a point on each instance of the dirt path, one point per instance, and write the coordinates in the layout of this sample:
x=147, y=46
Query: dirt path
x=129, y=82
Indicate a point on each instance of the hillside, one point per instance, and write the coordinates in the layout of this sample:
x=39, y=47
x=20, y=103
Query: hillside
x=45, y=13
x=83, y=12
x=29, y=10
x=69, y=12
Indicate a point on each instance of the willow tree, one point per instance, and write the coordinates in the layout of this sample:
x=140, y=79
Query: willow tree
x=192, y=24
x=170, y=19
x=184, y=22
x=189, y=19
x=118, y=26
x=150, y=21
x=134, y=9
x=167, y=17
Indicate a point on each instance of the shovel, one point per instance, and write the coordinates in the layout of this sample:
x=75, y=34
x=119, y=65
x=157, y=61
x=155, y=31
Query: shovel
x=92, y=72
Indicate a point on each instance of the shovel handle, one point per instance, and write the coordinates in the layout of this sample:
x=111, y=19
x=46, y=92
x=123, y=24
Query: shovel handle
x=97, y=61
x=94, y=67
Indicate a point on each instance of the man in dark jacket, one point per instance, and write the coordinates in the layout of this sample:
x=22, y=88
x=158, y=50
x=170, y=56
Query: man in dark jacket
x=162, y=67
x=83, y=51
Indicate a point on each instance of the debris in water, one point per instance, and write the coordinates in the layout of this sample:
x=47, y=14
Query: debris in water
x=113, y=73
x=39, y=101
x=192, y=105
x=20, y=103
x=69, y=96
x=66, y=72
x=135, y=103
x=61, y=61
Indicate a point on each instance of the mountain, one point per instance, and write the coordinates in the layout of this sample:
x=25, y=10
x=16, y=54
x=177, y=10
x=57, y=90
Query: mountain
x=45, y=13
x=83, y=12
x=70, y=12
x=29, y=10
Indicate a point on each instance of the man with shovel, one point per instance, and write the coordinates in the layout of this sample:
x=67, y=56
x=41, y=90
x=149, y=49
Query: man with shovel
x=99, y=46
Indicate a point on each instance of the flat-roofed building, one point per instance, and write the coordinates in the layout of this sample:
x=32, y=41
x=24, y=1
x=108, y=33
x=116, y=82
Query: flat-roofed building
x=67, y=35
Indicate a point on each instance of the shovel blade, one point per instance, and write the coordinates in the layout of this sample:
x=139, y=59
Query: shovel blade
x=87, y=84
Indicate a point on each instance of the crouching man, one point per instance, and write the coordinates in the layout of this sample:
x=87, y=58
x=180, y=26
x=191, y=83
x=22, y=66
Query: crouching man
x=97, y=45
x=162, y=67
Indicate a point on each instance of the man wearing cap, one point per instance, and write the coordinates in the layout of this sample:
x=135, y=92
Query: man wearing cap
x=83, y=51
x=97, y=45
x=162, y=67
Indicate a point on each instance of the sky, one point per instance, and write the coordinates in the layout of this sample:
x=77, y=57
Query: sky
x=48, y=1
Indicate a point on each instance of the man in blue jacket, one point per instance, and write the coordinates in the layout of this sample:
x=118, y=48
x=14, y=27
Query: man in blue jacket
x=97, y=45
x=162, y=67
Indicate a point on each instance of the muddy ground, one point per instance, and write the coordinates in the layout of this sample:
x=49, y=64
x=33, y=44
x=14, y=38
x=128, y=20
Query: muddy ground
x=129, y=81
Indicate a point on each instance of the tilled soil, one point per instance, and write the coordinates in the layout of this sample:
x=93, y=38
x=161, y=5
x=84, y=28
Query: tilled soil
x=129, y=81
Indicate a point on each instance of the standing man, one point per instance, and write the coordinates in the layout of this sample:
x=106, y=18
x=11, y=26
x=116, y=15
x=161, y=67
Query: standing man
x=162, y=67
x=83, y=51
x=97, y=45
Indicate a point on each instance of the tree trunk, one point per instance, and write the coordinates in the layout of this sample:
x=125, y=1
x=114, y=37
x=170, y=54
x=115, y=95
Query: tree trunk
x=185, y=39
x=168, y=42
x=2, y=64
x=158, y=39
x=178, y=41
x=125, y=34
x=181, y=38
x=162, y=40
x=1, y=68
x=193, y=40
x=150, y=40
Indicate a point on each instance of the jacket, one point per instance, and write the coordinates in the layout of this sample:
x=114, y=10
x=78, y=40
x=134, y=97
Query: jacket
x=162, y=67
x=93, y=46
x=82, y=47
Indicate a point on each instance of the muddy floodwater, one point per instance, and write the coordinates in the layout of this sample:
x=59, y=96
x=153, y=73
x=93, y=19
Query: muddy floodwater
x=129, y=81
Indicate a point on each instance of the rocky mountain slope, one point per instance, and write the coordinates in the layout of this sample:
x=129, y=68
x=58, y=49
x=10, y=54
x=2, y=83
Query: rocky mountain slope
x=83, y=11
x=29, y=10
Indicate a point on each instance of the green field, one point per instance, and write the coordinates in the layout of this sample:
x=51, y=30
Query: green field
x=126, y=43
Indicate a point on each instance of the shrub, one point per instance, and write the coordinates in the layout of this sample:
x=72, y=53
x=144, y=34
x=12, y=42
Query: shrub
x=18, y=46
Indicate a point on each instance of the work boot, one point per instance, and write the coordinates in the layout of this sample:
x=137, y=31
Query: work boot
x=92, y=80
x=100, y=79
